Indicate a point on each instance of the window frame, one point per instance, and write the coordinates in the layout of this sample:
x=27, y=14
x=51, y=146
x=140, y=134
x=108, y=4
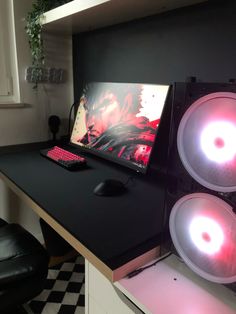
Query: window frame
x=9, y=89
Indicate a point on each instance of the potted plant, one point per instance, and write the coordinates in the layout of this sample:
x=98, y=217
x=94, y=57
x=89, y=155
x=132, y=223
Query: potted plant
x=34, y=28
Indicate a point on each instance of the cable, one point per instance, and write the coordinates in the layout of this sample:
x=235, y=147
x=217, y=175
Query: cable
x=139, y=270
x=130, y=178
x=71, y=108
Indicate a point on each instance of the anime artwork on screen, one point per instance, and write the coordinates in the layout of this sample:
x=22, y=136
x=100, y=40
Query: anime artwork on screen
x=120, y=120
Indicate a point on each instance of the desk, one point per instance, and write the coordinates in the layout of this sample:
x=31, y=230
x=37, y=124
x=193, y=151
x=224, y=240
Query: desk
x=115, y=234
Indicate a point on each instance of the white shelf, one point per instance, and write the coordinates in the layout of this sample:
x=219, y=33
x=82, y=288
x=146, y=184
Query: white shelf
x=83, y=15
x=171, y=287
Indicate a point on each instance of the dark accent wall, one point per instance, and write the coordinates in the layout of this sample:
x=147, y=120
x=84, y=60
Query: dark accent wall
x=194, y=41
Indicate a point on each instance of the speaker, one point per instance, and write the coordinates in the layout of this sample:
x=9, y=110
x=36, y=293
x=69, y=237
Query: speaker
x=54, y=124
x=201, y=195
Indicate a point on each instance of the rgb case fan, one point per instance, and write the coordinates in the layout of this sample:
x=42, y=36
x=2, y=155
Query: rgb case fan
x=203, y=168
x=202, y=228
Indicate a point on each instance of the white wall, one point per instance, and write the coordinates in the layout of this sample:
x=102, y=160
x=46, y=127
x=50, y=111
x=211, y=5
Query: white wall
x=29, y=123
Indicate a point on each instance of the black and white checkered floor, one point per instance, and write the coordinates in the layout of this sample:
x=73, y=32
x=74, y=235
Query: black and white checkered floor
x=64, y=290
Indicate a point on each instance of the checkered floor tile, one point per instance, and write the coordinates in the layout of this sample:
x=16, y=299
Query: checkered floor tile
x=64, y=290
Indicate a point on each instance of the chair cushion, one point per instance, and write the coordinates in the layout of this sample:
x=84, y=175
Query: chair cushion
x=23, y=266
x=21, y=255
x=2, y=222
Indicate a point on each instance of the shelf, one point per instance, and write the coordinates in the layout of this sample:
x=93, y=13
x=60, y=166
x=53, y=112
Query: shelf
x=171, y=287
x=84, y=15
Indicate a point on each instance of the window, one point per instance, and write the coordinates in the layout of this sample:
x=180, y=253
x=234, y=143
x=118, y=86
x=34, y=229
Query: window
x=9, y=86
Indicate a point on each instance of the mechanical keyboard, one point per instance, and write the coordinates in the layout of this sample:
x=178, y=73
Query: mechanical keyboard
x=64, y=158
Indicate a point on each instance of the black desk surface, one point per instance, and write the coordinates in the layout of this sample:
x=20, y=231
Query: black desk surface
x=115, y=229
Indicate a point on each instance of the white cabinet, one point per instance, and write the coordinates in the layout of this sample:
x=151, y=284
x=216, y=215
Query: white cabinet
x=102, y=297
x=169, y=287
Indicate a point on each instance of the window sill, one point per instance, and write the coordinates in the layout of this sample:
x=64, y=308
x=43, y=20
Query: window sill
x=12, y=105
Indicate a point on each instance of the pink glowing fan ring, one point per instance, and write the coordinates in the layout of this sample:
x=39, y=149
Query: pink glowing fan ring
x=202, y=229
x=206, y=141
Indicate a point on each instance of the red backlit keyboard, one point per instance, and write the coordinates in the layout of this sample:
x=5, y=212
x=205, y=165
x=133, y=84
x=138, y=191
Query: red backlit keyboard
x=64, y=158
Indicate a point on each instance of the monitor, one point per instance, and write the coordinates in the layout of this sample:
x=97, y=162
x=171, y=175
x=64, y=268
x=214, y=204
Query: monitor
x=119, y=121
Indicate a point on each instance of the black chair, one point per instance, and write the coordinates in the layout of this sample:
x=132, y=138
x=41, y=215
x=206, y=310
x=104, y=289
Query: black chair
x=23, y=266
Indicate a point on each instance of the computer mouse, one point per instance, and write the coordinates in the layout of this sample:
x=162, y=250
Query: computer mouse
x=110, y=187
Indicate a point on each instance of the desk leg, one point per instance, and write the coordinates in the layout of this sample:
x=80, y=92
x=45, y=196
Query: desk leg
x=86, y=287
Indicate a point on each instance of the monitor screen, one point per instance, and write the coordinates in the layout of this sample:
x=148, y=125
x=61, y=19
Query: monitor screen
x=119, y=121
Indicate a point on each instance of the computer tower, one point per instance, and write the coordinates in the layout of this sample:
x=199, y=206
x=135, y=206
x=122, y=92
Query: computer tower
x=201, y=188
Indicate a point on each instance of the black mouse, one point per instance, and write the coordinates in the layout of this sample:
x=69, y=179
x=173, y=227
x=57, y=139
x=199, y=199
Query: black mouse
x=110, y=187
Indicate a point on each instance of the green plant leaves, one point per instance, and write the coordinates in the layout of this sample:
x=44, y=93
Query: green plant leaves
x=34, y=28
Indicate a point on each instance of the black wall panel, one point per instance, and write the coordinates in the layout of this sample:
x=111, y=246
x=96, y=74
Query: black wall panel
x=193, y=41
